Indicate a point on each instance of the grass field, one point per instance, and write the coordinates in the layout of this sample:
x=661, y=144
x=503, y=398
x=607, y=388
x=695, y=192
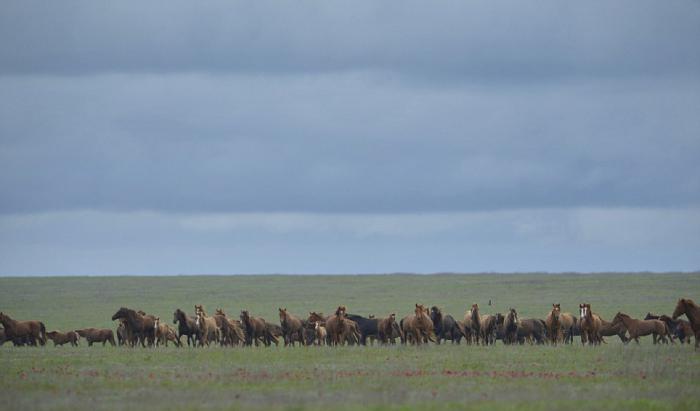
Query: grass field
x=612, y=377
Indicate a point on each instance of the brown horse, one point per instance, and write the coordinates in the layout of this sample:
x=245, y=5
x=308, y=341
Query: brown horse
x=418, y=328
x=388, y=330
x=60, y=338
x=232, y=331
x=692, y=311
x=472, y=320
x=590, y=325
x=640, y=328
x=186, y=325
x=489, y=324
x=607, y=329
x=338, y=326
x=139, y=325
x=292, y=328
x=92, y=335
x=510, y=327
x=255, y=329
x=30, y=331
x=164, y=334
x=208, y=329
x=559, y=325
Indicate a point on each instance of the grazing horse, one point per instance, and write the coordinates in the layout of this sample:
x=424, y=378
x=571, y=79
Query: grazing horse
x=445, y=326
x=141, y=326
x=30, y=331
x=590, y=325
x=510, y=327
x=186, y=325
x=531, y=330
x=60, y=338
x=164, y=334
x=640, y=328
x=92, y=335
x=292, y=328
x=418, y=327
x=692, y=311
x=255, y=329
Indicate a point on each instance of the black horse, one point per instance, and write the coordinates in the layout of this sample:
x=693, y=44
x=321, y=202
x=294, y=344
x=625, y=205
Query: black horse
x=368, y=327
x=445, y=326
x=186, y=325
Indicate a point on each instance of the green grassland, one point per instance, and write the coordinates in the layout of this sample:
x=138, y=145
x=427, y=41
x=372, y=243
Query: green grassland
x=612, y=376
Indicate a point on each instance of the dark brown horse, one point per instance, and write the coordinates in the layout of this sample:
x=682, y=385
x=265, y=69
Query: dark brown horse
x=292, y=328
x=186, y=325
x=510, y=327
x=255, y=329
x=640, y=328
x=692, y=311
x=445, y=326
x=31, y=331
x=141, y=326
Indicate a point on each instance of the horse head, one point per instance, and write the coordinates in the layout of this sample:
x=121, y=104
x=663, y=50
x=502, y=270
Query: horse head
x=680, y=308
x=123, y=312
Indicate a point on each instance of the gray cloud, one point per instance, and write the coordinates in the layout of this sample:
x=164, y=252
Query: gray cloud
x=481, y=39
x=169, y=137
x=354, y=142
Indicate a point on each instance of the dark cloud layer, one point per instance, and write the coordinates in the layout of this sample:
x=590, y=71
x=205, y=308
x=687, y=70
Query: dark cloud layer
x=343, y=143
x=254, y=136
x=435, y=41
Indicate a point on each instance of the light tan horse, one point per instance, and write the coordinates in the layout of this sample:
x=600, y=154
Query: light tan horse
x=417, y=328
x=209, y=331
x=692, y=311
x=320, y=334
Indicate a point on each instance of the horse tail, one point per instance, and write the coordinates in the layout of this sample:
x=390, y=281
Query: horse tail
x=42, y=333
x=668, y=333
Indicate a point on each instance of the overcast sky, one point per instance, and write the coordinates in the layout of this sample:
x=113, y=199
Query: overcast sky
x=349, y=137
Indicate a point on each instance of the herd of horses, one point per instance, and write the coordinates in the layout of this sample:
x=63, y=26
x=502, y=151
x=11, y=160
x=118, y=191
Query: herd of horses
x=422, y=326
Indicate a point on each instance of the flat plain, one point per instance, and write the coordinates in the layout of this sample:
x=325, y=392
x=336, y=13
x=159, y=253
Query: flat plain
x=613, y=376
